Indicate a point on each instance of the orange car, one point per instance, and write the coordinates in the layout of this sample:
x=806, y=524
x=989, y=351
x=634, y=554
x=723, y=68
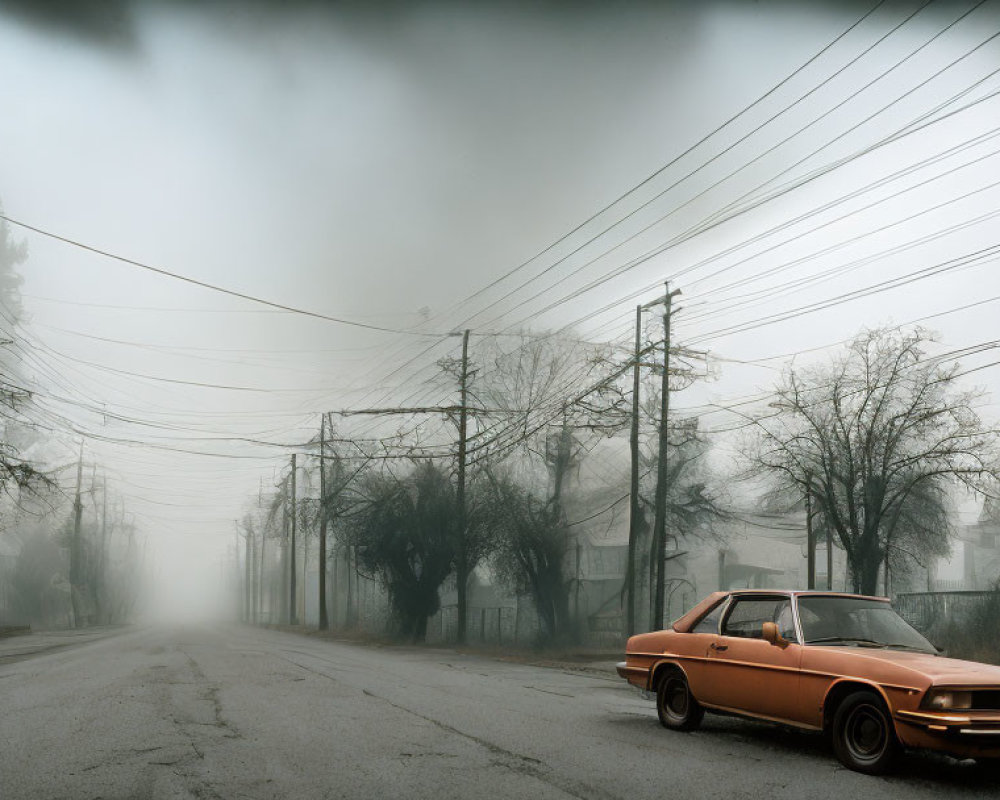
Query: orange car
x=840, y=663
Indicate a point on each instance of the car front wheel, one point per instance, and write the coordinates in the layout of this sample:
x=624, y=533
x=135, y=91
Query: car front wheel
x=863, y=736
x=675, y=705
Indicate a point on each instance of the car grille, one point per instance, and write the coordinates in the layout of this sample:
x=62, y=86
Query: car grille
x=986, y=700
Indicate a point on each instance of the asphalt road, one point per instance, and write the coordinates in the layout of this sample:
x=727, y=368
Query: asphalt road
x=234, y=712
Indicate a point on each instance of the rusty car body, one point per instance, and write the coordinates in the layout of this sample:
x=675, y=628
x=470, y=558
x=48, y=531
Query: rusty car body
x=844, y=664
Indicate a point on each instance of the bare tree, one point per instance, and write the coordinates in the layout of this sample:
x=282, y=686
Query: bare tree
x=917, y=531
x=868, y=436
x=548, y=400
x=532, y=544
x=541, y=383
x=338, y=499
x=16, y=432
x=512, y=396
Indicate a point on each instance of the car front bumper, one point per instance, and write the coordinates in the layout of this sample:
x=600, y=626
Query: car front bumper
x=962, y=733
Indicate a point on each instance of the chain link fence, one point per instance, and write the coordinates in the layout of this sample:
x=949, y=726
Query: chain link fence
x=965, y=623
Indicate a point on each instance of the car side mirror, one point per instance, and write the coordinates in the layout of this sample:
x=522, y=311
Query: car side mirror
x=771, y=635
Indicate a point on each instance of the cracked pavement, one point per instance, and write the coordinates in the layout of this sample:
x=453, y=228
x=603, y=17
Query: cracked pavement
x=236, y=712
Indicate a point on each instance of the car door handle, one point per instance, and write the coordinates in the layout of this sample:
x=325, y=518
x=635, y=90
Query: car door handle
x=719, y=647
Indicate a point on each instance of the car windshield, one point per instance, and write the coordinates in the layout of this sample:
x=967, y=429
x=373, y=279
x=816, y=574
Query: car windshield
x=857, y=621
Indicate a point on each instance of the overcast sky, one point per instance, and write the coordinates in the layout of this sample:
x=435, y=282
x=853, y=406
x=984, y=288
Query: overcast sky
x=412, y=170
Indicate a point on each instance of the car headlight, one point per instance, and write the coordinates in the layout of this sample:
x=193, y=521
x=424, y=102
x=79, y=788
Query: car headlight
x=947, y=699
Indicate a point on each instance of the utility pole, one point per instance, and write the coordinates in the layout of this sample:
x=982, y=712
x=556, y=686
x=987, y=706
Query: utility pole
x=660, y=520
x=258, y=580
x=283, y=610
x=634, y=509
x=349, y=606
x=829, y=559
x=241, y=587
x=324, y=621
x=101, y=578
x=258, y=558
x=74, y=548
x=248, y=576
x=462, y=571
x=462, y=567
x=335, y=585
x=810, y=542
x=293, y=616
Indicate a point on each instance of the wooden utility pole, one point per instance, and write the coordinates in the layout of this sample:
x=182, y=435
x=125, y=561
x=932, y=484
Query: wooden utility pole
x=634, y=509
x=359, y=606
x=660, y=520
x=248, y=575
x=258, y=581
x=563, y=459
x=74, y=547
x=810, y=543
x=261, y=585
x=293, y=615
x=100, y=589
x=335, y=587
x=305, y=577
x=283, y=611
x=258, y=557
x=349, y=604
x=462, y=571
x=829, y=559
x=324, y=621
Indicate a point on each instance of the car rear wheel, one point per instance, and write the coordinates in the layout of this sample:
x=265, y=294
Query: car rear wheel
x=863, y=736
x=675, y=705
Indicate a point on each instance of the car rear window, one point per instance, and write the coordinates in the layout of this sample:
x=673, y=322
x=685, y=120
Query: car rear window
x=710, y=622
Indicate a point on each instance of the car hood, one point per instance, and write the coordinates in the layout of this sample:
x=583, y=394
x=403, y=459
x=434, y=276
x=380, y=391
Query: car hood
x=938, y=669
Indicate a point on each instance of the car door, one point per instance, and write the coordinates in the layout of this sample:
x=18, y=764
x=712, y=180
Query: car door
x=745, y=672
x=696, y=645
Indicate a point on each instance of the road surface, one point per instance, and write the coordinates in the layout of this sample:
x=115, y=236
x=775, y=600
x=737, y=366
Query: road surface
x=236, y=712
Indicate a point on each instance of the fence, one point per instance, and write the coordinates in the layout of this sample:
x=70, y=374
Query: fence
x=929, y=612
x=500, y=625
x=965, y=624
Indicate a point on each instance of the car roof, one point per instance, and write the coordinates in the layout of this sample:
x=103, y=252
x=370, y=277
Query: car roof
x=684, y=623
x=801, y=593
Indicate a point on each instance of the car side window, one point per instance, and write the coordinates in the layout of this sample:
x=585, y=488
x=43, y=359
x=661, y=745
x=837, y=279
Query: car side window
x=747, y=617
x=710, y=622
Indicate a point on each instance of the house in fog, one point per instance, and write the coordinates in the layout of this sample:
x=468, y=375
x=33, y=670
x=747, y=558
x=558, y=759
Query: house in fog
x=980, y=550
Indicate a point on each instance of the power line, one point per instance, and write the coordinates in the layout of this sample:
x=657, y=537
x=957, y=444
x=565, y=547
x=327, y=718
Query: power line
x=694, y=147
x=907, y=130
x=733, y=209
x=663, y=169
x=719, y=308
x=209, y=286
x=729, y=148
x=975, y=258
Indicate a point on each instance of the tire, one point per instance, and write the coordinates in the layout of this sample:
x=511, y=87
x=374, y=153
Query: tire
x=863, y=735
x=675, y=705
x=991, y=766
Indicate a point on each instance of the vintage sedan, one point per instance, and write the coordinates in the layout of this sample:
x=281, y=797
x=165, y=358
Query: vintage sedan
x=844, y=664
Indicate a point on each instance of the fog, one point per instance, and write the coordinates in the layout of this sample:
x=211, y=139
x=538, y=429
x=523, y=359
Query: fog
x=381, y=179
